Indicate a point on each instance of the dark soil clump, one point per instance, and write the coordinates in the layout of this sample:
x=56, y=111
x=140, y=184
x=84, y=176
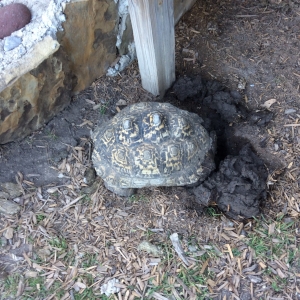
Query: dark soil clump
x=238, y=187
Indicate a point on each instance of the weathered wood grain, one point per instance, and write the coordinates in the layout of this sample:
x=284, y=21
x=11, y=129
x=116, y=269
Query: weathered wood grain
x=153, y=30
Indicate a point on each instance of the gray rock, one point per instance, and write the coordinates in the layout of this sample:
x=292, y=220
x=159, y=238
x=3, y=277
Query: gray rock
x=3, y=275
x=89, y=176
x=289, y=111
x=11, y=42
x=8, y=207
x=245, y=296
x=4, y=195
x=255, y=279
x=12, y=189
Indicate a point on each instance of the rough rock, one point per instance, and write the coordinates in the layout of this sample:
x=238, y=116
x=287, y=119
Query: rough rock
x=35, y=97
x=9, y=207
x=12, y=18
x=89, y=40
x=12, y=189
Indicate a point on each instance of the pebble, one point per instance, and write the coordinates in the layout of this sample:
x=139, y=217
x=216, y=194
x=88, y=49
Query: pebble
x=229, y=224
x=12, y=18
x=255, y=279
x=11, y=42
x=243, y=232
x=22, y=50
x=289, y=111
x=193, y=248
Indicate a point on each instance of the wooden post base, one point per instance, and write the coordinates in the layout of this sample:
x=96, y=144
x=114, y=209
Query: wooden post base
x=153, y=30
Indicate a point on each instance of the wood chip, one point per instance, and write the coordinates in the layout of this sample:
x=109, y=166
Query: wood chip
x=177, y=246
x=9, y=233
x=229, y=250
x=280, y=273
x=271, y=228
x=158, y=296
x=205, y=265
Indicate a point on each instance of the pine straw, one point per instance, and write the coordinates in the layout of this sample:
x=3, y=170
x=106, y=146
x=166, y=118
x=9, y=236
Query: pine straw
x=65, y=244
x=81, y=241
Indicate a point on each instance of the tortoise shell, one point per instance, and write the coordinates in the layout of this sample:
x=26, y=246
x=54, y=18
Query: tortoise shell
x=152, y=144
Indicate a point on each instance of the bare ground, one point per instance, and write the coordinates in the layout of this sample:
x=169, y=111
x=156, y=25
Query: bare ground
x=67, y=241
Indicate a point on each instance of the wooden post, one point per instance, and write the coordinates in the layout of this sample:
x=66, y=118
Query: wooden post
x=153, y=30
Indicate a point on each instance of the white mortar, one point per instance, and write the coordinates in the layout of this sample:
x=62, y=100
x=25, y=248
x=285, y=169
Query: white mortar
x=38, y=39
x=126, y=59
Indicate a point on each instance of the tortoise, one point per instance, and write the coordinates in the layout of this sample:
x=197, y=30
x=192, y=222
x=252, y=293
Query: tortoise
x=152, y=144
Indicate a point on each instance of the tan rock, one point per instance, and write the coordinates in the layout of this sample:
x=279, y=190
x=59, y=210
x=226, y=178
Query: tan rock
x=35, y=98
x=89, y=38
x=50, y=76
x=30, y=61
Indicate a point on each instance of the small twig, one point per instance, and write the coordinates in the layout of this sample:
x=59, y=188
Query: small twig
x=246, y=16
x=291, y=125
x=73, y=202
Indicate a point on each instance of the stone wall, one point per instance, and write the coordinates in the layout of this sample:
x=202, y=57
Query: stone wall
x=35, y=97
x=85, y=50
x=59, y=68
x=89, y=38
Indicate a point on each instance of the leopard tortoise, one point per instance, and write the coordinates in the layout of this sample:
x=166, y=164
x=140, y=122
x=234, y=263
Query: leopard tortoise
x=152, y=144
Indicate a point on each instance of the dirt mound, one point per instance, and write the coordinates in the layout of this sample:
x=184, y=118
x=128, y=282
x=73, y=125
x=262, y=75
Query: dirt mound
x=238, y=188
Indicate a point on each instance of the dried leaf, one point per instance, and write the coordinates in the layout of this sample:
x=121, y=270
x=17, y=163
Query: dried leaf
x=269, y=103
x=9, y=233
x=52, y=190
x=109, y=287
x=121, y=102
